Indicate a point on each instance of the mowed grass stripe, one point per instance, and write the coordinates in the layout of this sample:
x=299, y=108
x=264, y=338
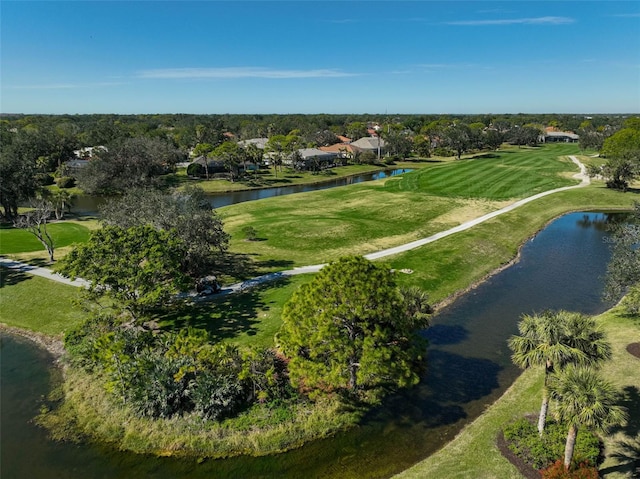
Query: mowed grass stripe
x=477, y=177
x=311, y=228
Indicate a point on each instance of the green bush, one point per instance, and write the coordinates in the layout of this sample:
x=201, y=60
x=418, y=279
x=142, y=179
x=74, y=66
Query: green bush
x=250, y=233
x=44, y=179
x=441, y=151
x=524, y=441
x=66, y=182
x=195, y=169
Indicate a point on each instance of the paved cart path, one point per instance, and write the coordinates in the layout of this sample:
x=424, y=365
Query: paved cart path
x=237, y=287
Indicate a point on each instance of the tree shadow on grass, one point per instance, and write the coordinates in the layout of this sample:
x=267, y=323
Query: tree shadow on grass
x=628, y=449
x=243, y=266
x=40, y=262
x=10, y=277
x=272, y=181
x=224, y=317
x=631, y=402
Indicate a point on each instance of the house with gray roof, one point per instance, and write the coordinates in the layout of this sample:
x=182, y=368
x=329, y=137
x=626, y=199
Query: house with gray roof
x=313, y=158
x=560, y=137
x=369, y=143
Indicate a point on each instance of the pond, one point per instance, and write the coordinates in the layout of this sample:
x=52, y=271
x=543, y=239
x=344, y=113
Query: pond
x=469, y=367
x=85, y=204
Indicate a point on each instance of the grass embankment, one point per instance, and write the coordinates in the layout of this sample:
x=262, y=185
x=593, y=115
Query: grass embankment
x=88, y=412
x=37, y=304
x=473, y=453
x=319, y=226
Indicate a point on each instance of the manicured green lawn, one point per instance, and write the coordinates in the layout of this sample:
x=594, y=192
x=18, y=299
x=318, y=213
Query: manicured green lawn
x=251, y=318
x=319, y=226
x=14, y=240
x=37, y=304
x=501, y=175
x=441, y=268
x=455, y=262
x=473, y=453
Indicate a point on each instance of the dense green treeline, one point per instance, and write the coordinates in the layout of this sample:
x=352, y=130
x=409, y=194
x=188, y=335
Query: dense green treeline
x=186, y=131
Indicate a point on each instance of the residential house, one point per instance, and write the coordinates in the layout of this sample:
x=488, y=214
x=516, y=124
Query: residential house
x=560, y=137
x=341, y=150
x=259, y=142
x=314, y=159
x=368, y=143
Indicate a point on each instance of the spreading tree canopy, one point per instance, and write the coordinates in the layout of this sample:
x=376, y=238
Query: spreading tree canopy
x=351, y=328
x=138, y=267
x=187, y=212
x=129, y=163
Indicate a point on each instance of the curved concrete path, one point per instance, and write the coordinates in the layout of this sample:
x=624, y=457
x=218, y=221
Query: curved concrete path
x=582, y=175
x=234, y=288
x=43, y=272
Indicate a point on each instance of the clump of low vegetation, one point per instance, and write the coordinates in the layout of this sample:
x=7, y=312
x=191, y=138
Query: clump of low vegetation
x=250, y=233
x=581, y=471
x=541, y=451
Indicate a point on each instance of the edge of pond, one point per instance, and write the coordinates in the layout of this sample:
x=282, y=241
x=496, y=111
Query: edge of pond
x=55, y=347
x=309, y=183
x=443, y=303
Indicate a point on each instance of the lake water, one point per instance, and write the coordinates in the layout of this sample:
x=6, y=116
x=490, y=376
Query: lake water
x=469, y=367
x=89, y=204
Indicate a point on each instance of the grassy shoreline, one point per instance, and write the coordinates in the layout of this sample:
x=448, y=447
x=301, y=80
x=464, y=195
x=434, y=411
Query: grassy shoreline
x=460, y=457
x=290, y=177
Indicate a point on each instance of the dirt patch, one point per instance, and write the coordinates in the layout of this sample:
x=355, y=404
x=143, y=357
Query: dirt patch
x=525, y=469
x=634, y=349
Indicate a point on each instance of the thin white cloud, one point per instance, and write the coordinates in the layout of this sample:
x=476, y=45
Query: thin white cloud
x=626, y=15
x=516, y=21
x=344, y=20
x=240, y=72
x=64, y=86
x=446, y=66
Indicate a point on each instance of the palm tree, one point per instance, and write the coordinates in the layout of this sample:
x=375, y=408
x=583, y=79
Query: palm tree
x=584, y=400
x=62, y=201
x=417, y=306
x=555, y=339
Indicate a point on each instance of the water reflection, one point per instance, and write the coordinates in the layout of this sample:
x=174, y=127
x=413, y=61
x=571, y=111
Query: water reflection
x=86, y=205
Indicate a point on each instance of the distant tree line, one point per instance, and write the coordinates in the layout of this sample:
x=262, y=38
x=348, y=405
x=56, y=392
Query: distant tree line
x=138, y=149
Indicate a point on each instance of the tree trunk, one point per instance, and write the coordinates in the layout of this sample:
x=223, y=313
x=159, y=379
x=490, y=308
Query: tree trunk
x=570, y=445
x=542, y=418
x=353, y=375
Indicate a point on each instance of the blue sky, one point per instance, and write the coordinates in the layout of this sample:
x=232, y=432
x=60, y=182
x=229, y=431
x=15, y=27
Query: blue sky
x=320, y=57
